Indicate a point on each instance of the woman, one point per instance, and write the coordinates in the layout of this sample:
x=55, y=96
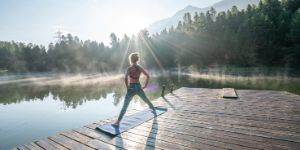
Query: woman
x=133, y=73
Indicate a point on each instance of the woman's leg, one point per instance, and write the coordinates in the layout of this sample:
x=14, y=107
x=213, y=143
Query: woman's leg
x=128, y=97
x=142, y=94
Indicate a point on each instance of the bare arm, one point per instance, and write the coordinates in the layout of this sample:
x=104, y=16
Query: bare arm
x=147, y=76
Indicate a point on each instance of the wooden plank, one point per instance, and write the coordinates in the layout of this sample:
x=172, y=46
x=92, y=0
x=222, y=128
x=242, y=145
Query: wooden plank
x=33, y=146
x=69, y=143
x=76, y=136
x=248, y=118
x=97, y=144
x=259, y=104
x=280, y=117
x=87, y=140
x=252, y=120
x=49, y=145
x=23, y=147
x=92, y=133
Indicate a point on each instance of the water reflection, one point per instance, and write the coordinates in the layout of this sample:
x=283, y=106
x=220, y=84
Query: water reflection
x=72, y=95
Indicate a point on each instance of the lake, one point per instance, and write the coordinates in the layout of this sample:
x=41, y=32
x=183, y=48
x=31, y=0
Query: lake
x=34, y=107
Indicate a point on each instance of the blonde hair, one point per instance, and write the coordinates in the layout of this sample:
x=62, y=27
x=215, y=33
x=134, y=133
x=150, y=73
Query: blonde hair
x=133, y=58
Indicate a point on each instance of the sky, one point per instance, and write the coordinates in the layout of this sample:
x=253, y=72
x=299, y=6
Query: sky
x=36, y=21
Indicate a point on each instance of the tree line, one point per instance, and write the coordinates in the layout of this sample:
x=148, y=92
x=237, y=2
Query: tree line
x=267, y=34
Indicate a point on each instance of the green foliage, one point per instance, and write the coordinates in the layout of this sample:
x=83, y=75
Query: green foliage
x=263, y=35
x=256, y=36
x=295, y=36
x=295, y=28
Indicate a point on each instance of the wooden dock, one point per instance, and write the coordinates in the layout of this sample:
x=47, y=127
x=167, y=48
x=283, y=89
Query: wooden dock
x=199, y=119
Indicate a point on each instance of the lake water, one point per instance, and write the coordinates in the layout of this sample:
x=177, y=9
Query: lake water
x=36, y=107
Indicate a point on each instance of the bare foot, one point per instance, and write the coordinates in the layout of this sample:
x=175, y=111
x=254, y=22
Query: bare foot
x=117, y=123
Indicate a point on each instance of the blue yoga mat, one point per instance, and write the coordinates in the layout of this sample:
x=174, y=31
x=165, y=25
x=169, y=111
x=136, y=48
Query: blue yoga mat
x=131, y=121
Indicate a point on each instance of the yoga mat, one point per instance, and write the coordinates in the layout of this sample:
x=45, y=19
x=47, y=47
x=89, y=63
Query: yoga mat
x=131, y=121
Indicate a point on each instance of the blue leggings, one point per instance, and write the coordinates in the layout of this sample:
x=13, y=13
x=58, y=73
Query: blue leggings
x=134, y=88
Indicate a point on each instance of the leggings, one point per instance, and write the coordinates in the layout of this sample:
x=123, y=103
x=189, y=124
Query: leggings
x=134, y=89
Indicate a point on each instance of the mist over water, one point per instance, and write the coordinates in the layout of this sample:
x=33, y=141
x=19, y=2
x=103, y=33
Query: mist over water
x=35, y=106
x=88, y=86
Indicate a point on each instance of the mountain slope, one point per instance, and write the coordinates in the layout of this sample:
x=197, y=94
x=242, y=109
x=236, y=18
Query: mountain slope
x=220, y=6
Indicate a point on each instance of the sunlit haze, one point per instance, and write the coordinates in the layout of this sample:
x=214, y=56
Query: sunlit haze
x=36, y=21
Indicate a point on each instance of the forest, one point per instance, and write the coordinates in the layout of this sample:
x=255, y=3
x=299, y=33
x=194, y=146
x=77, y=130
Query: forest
x=264, y=35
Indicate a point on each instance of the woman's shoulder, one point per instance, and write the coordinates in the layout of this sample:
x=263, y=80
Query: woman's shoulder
x=140, y=67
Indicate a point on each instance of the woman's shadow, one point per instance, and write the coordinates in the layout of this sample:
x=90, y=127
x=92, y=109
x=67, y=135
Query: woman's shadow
x=150, y=142
x=151, y=139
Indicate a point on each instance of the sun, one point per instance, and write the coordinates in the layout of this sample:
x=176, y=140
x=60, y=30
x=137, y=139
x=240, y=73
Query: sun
x=133, y=22
x=120, y=20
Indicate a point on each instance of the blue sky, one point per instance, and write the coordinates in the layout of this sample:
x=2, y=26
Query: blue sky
x=36, y=21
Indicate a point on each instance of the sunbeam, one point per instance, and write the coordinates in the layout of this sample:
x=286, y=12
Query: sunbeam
x=124, y=56
x=150, y=48
x=178, y=47
x=152, y=53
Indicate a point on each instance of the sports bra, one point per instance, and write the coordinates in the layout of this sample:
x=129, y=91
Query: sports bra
x=134, y=72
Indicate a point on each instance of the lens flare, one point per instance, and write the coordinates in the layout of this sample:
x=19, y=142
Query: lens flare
x=151, y=88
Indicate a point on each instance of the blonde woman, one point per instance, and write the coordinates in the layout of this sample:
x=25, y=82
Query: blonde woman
x=134, y=88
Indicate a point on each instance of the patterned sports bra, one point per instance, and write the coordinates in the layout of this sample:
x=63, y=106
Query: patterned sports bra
x=134, y=72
